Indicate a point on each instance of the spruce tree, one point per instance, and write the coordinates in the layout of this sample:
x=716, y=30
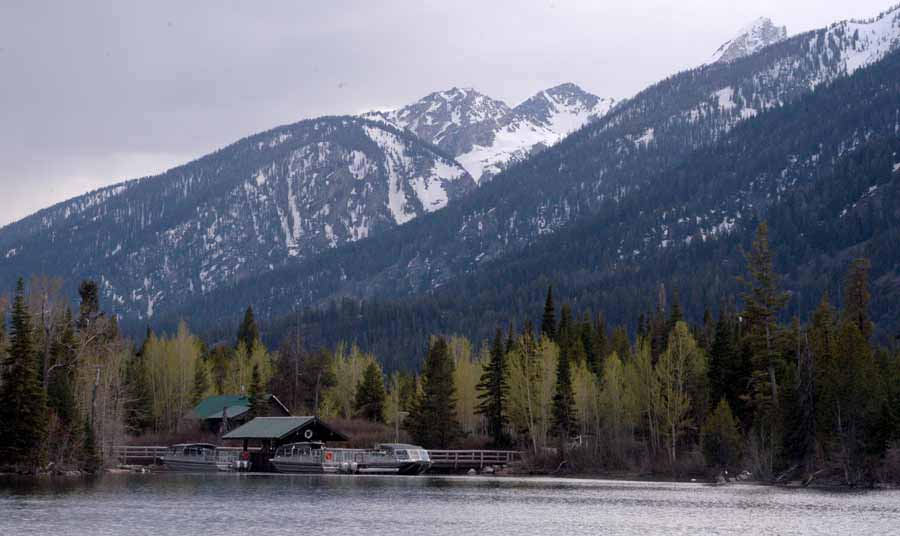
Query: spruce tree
x=201, y=383
x=563, y=409
x=23, y=402
x=138, y=404
x=370, y=395
x=248, y=332
x=548, y=321
x=433, y=422
x=763, y=301
x=721, y=439
x=90, y=459
x=89, y=309
x=60, y=384
x=857, y=296
x=492, y=393
x=256, y=395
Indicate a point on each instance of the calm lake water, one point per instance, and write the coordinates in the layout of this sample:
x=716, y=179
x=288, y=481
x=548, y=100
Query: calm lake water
x=179, y=504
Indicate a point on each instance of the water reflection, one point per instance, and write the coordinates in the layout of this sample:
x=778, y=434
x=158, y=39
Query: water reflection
x=287, y=504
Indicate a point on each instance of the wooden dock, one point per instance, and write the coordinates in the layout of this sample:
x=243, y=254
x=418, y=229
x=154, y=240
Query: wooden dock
x=442, y=460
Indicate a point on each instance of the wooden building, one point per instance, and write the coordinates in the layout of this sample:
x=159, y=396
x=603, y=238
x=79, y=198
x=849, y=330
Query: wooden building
x=223, y=413
x=269, y=433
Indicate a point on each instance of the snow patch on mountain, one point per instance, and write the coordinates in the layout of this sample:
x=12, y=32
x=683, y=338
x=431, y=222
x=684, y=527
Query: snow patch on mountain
x=753, y=37
x=485, y=135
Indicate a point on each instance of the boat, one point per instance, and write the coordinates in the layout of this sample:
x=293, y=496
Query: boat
x=203, y=457
x=397, y=458
x=315, y=457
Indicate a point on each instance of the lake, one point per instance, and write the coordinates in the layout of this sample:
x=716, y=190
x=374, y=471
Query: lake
x=239, y=504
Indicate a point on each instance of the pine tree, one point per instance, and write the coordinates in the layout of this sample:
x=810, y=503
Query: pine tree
x=801, y=434
x=89, y=309
x=23, y=402
x=548, y=321
x=248, y=332
x=676, y=315
x=432, y=421
x=721, y=439
x=60, y=384
x=139, y=403
x=256, y=395
x=370, y=395
x=857, y=296
x=201, y=383
x=565, y=420
x=763, y=301
x=492, y=393
x=90, y=459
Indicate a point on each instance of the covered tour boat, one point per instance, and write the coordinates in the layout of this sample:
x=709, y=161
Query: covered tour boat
x=315, y=457
x=203, y=457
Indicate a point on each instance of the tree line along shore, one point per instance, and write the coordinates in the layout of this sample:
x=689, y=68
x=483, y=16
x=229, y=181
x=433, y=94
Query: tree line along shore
x=742, y=391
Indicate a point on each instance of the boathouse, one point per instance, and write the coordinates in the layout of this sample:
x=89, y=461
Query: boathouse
x=269, y=433
x=220, y=414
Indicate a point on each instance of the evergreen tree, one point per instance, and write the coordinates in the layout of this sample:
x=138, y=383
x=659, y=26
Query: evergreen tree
x=201, y=383
x=721, y=439
x=620, y=344
x=256, y=395
x=676, y=315
x=432, y=421
x=763, y=301
x=248, y=332
x=23, y=402
x=857, y=296
x=370, y=394
x=89, y=309
x=548, y=321
x=60, y=384
x=565, y=421
x=139, y=403
x=492, y=393
x=90, y=459
x=801, y=434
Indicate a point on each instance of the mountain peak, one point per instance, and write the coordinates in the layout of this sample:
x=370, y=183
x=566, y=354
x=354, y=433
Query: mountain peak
x=754, y=36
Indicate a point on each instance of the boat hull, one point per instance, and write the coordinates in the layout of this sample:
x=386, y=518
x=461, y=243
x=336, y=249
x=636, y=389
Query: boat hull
x=195, y=466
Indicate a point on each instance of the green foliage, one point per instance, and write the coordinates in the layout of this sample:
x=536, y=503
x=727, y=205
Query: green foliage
x=369, y=402
x=23, y=402
x=564, y=414
x=548, y=321
x=721, y=439
x=90, y=460
x=248, y=332
x=432, y=422
x=256, y=395
x=493, y=391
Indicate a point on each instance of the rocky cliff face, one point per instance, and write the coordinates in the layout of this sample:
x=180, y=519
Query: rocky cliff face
x=485, y=135
x=750, y=39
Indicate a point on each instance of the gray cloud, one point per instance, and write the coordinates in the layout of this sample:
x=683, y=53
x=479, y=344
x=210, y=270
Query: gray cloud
x=96, y=92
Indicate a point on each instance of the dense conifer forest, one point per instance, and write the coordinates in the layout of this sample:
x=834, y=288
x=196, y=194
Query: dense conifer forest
x=738, y=391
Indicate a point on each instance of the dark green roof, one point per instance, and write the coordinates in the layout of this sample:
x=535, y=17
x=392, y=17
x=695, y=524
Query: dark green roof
x=211, y=408
x=269, y=428
x=279, y=428
x=234, y=406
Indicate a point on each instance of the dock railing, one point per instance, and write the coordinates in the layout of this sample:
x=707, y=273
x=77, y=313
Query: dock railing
x=473, y=459
x=445, y=459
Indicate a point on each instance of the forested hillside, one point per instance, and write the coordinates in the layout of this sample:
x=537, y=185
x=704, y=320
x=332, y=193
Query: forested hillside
x=822, y=170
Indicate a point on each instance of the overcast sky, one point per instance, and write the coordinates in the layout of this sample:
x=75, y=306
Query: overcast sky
x=92, y=93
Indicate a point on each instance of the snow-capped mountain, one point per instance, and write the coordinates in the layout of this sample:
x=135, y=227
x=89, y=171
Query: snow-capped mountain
x=288, y=193
x=606, y=170
x=751, y=38
x=485, y=135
